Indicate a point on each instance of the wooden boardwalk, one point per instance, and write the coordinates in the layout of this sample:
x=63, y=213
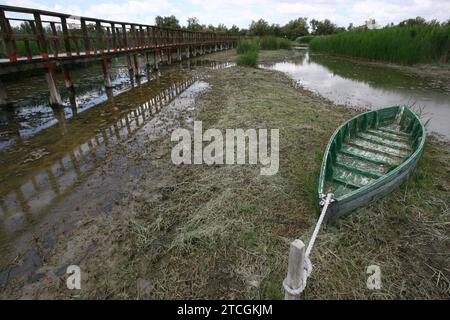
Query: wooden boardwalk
x=37, y=39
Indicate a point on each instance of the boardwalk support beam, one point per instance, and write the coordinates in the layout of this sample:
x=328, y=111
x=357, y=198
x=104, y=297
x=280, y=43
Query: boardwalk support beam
x=55, y=97
x=106, y=74
x=137, y=64
x=67, y=79
x=3, y=95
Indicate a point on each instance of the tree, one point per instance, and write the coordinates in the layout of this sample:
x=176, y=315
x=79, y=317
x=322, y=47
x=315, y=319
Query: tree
x=296, y=28
x=221, y=28
x=233, y=30
x=24, y=27
x=210, y=28
x=259, y=28
x=276, y=30
x=193, y=24
x=324, y=27
x=167, y=22
x=412, y=22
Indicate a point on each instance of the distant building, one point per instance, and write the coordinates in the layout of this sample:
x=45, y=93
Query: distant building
x=371, y=24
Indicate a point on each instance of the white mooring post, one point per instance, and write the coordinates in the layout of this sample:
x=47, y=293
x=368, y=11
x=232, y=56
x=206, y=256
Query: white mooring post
x=294, y=279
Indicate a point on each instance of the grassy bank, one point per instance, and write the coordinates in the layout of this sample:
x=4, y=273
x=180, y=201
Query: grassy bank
x=223, y=232
x=400, y=44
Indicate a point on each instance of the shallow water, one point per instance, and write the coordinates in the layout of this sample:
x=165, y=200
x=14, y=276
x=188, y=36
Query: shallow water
x=47, y=153
x=367, y=86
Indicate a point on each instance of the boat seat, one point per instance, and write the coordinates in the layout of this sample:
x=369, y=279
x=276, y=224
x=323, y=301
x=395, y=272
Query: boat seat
x=389, y=135
x=393, y=131
x=379, y=148
x=370, y=168
x=371, y=156
x=351, y=178
x=385, y=141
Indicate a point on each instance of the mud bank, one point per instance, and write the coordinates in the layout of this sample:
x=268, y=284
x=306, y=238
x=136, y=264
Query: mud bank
x=223, y=232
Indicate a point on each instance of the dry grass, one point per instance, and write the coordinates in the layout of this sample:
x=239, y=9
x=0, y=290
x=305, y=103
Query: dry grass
x=224, y=231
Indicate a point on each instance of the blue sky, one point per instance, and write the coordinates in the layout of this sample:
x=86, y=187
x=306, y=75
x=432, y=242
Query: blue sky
x=242, y=12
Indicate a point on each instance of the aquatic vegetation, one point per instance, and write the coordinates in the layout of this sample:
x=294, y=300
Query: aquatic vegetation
x=401, y=44
x=247, y=49
x=248, y=59
x=274, y=43
x=247, y=45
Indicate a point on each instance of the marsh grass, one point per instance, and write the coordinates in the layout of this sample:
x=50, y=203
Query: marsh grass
x=248, y=50
x=304, y=39
x=223, y=232
x=274, y=43
x=236, y=225
x=245, y=45
x=248, y=59
x=400, y=44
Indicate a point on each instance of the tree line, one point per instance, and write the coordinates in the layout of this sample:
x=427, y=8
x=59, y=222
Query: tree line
x=292, y=30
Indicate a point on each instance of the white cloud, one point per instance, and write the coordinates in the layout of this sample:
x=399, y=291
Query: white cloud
x=242, y=12
x=396, y=11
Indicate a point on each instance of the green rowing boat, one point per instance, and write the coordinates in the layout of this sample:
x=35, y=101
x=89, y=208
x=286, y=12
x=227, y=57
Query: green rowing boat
x=369, y=156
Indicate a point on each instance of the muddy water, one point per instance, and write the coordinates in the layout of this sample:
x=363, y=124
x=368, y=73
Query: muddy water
x=48, y=153
x=360, y=85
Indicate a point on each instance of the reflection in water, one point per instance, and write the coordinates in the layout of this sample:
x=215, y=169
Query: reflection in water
x=359, y=85
x=32, y=113
x=32, y=196
x=65, y=155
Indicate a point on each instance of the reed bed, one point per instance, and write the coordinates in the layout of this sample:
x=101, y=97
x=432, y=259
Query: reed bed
x=400, y=44
x=248, y=49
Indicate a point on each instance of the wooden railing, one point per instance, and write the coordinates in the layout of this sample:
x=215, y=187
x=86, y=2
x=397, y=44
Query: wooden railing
x=46, y=34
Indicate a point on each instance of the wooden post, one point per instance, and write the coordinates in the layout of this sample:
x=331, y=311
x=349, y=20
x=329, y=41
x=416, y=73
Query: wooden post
x=125, y=37
x=85, y=34
x=65, y=31
x=130, y=63
x=155, y=60
x=67, y=79
x=7, y=36
x=100, y=37
x=294, y=279
x=106, y=75
x=137, y=64
x=132, y=43
x=55, y=97
x=40, y=37
x=148, y=37
x=147, y=61
x=54, y=39
x=113, y=35
x=169, y=56
x=3, y=95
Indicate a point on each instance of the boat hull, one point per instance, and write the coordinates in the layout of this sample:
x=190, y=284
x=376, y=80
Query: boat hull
x=369, y=141
x=344, y=207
